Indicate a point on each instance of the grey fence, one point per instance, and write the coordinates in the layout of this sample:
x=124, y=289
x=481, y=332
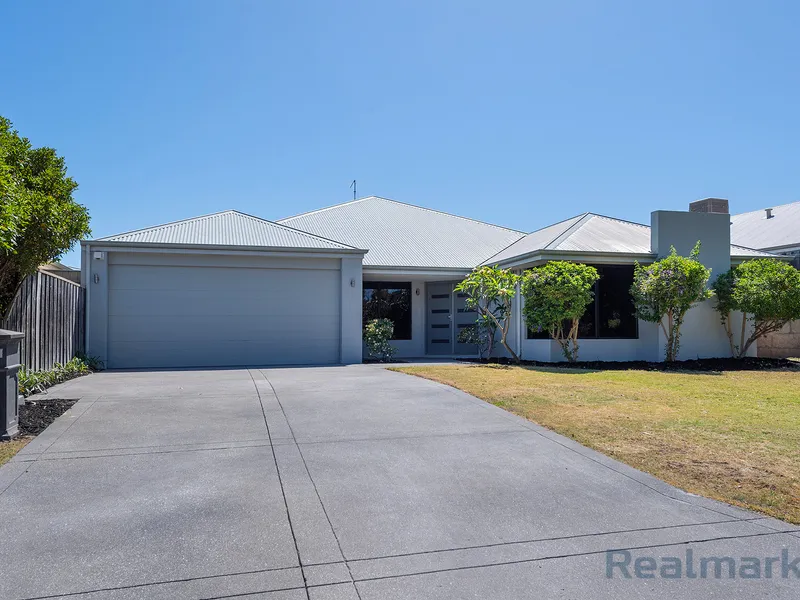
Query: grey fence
x=49, y=310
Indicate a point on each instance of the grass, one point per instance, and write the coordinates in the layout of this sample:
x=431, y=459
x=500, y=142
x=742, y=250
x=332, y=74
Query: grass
x=9, y=449
x=732, y=436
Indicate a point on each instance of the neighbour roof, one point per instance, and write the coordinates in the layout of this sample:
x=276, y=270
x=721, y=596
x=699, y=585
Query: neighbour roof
x=591, y=233
x=403, y=235
x=755, y=230
x=228, y=228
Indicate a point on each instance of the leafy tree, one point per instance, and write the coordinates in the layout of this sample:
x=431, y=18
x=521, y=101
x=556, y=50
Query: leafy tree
x=490, y=291
x=39, y=220
x=556, y=296
x=377, y=334
x=767, y=293
x=667, y=289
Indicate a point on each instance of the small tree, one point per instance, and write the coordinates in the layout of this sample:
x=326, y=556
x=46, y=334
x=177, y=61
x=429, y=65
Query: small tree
x=39, y=220
x=666, y=290
x=490, y=291
x=556, y=296
x=377, y=334
x=767, y=293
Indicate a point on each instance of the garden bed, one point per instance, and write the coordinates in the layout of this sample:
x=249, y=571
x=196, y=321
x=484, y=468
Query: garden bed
x=36, y=415
x=702, y=364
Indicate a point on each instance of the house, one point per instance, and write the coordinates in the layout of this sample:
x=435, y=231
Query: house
x=775, y=230
x=231, y=289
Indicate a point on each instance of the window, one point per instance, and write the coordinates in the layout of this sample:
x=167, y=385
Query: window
x=611, y=312
x=389, y=300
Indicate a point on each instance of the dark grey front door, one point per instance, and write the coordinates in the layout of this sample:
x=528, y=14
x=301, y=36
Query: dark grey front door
x=440, y=318
x=447, y=315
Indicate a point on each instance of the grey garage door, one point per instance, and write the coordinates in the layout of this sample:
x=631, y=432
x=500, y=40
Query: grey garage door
x=200, y=316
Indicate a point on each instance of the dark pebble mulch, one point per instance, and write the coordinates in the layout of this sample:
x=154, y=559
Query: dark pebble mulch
x=702, y=364
x=36, y=415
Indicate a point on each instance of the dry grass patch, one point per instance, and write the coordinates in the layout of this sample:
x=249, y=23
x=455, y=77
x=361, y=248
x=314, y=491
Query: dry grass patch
x=732, y=436
x=9, y=449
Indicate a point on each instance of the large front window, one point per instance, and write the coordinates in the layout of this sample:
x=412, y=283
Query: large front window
x=389, y=300
x=611, y=313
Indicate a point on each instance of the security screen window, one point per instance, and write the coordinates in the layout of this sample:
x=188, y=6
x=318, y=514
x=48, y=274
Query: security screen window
x=610, y=315
x=389, y=300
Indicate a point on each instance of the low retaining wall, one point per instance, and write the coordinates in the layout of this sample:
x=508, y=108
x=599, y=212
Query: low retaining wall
x=781, y=344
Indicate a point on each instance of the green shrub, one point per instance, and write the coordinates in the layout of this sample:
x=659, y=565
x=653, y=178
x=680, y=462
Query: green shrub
x=377, y=334
x=31, y=382
x=480, y=335
x=556, y=296
x=667, y=289
x=767, y=293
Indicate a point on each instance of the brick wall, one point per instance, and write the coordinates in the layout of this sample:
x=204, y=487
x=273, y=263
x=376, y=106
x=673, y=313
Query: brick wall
x=781, y=344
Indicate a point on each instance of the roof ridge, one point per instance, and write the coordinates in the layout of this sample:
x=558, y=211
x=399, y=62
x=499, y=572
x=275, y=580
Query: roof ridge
x=324, y=208
x=620, y=220
x=581, y=220
x=528, y=234
x=425, y=208
x=168, y=224
x=441, y=212
x=238, y=213
x=294, y=229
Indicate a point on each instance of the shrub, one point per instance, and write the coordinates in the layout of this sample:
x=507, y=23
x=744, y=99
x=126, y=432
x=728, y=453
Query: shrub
x=667, y=289
x=480, y=335
x=767, y=293
x=490, y=291
x=31, y=382
x=556, y=296
x=377, y=334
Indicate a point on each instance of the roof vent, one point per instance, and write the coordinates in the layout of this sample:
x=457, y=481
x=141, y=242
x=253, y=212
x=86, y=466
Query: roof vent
x=769, y=212
x=710, y=205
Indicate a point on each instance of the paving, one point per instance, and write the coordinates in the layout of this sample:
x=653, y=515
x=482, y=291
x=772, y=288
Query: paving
x=349, y=483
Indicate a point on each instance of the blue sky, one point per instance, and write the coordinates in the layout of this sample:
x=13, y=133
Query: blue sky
x=518, y=113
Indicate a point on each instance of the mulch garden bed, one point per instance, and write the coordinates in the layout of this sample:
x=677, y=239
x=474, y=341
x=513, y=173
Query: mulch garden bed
x=36, y=415
x=701, y=364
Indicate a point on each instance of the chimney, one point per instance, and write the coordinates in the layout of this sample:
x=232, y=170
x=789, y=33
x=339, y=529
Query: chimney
x=710, y=205
x=769, y=212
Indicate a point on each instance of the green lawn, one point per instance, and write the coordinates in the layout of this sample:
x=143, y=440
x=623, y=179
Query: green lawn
x=733, y=436
x=9, y=449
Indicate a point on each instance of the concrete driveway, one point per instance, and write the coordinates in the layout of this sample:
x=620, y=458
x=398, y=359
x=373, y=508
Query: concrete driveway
x=346, y=483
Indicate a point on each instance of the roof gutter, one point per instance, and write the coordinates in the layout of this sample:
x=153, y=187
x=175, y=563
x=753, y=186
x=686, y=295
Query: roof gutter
x=140, y=246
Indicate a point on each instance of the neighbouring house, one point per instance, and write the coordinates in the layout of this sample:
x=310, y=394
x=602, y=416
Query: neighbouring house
x=230, y=289
x=56, y=268
x=777, y=230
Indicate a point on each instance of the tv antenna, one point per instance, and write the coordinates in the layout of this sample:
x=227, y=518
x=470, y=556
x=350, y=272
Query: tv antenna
x=353, y=185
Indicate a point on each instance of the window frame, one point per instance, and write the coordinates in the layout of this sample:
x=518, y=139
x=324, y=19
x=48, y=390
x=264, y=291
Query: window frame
x=392, y=285
x=543, y=335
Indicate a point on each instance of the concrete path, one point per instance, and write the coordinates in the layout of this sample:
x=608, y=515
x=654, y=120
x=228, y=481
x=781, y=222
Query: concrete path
x=346, y=483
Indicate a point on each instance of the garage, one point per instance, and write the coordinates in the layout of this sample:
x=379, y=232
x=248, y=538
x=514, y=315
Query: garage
x=171, y=299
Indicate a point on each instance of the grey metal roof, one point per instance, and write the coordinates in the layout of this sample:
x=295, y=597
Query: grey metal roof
x=228, y=228
x=403, y=235
x=591, y=233
x=755, y=230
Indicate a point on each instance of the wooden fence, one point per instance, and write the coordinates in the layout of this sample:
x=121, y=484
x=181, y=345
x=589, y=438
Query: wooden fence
x=49, y=310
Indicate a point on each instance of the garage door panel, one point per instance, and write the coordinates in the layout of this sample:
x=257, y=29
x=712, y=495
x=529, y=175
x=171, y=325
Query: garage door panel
x=133, y=277
x=222, y=302
x=316, y=328
x=179, y=316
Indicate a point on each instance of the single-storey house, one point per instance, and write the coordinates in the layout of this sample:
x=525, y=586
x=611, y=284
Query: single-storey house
x=230, y=289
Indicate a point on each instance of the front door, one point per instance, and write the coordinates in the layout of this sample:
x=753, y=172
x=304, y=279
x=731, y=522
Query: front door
x=440, y=318
x=447, y=315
